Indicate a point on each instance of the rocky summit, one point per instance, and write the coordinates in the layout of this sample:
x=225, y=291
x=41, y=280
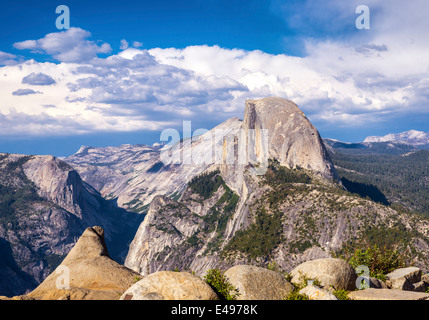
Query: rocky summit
x=45, y=206
x=292, y=140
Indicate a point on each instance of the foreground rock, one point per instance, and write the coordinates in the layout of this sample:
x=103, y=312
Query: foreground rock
x=170, y=285
x=335, y=273
x=256, y=283
x=405, y=279
x=387, y=294
x=87, y=273
x=316, y=293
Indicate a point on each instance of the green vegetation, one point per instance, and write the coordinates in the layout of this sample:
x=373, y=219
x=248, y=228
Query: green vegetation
x=303, y=282
x=220, y=284
x=266, y=233
x=278, y=175
x=387, y=178
x=217, y=218
x=206, y=184
x=193, y=240
x=379, y=260
x=16, y=191
x=295, y=295
x=341, y=294
x=261, y=238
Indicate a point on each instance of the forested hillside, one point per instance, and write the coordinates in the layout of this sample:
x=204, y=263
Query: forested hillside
x=387, y=178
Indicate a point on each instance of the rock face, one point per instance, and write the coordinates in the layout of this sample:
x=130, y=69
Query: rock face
x=335, y=273
x=169, y=285
x=292, y=212
x=87, y=273
x=254, y=283
x=292, y=139
x=273, y=128
x=49, y=207
x=133, y=175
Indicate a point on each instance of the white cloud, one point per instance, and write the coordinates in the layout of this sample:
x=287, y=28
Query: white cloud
x=24, y=92
x=66, y=46
x=124, y=44
x=350, y=83
x=38, y=79
x=137, y=44
x=9, y=59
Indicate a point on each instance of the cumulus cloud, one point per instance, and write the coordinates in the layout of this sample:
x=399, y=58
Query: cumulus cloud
x=71, y=45
x=24, y=92
x=351, y=82
x=124, y=44
x=38, y=79
x=7, y=59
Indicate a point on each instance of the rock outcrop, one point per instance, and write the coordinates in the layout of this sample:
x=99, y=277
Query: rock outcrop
x=49, y=207
x=87, y=273
x=254, y=283
x=405, y=279
x=387, y=294
x=291, y=212
x=292, y=139
x=273, y=128
x=133, y=175
x=170, y=285
x=332, y=273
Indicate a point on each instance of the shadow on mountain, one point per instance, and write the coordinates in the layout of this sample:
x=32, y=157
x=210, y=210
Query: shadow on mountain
x=13, y=281
x=365, y=190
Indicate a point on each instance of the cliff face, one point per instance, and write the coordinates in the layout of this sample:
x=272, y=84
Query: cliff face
x=45, y=206
x=292, y=139
x=272, y=128
x=283, y=205
x=133, y=175
x=287, y=217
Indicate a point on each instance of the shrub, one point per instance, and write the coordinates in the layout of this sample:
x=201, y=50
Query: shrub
x=379, y=260
x=220, y=284
x=341, y=294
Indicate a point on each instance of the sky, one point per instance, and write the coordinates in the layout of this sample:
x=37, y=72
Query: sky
x=126, y=70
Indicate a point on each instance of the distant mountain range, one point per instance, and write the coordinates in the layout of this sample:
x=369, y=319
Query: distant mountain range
x=393, y=143
x=412, y=137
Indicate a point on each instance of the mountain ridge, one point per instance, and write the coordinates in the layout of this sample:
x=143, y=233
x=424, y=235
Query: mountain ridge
x=412, y=137
x=44, y=207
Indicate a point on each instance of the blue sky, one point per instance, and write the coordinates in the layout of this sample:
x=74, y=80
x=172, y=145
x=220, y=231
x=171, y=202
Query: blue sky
x=126, y=70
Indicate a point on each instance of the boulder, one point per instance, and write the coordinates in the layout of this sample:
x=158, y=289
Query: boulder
x=316, y=293
x=425, y=279
x=330, y=272
x=377, y=283
x=255, y=283
x=170, y=285
x=419, y=286
x=403, y=278
x=387, y=294
x=87, y=273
